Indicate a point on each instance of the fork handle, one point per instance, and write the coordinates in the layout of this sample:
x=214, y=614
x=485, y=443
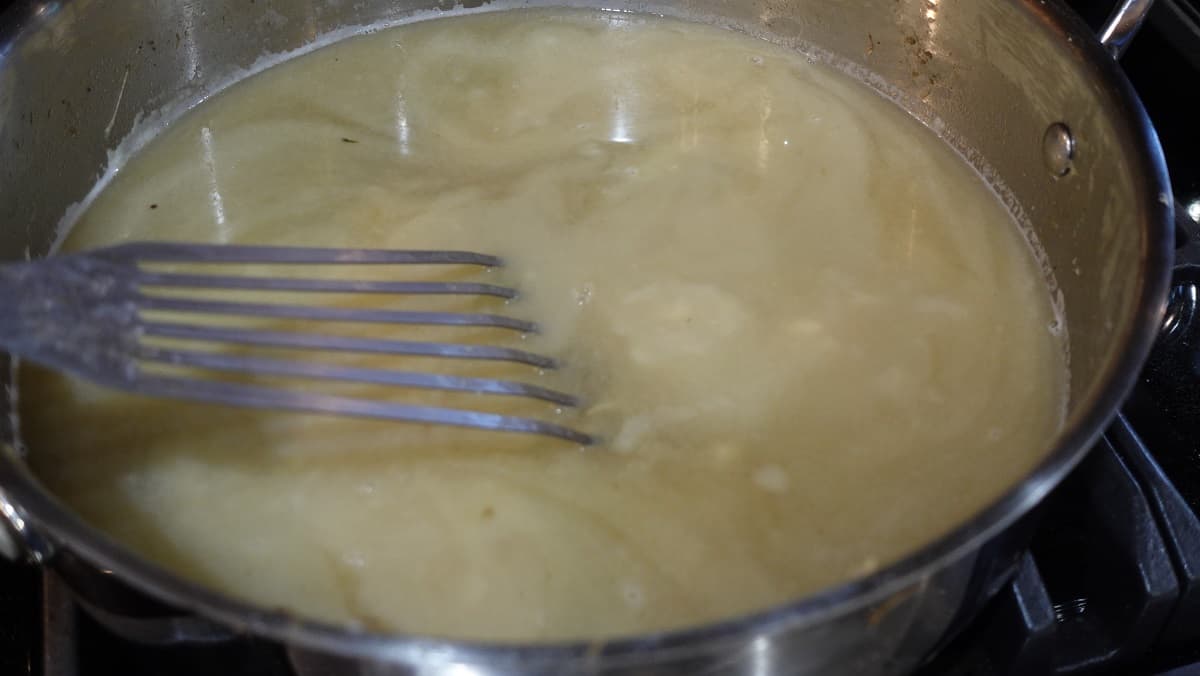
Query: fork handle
x=59, y=312
x=16, y=296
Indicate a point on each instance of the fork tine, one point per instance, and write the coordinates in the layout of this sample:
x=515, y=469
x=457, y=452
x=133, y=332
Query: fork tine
x=264, y=397
x=279, y=367
x=170, y=252
x=337, y=314
x=174, y=280
x=265, y=338
x=100, y=290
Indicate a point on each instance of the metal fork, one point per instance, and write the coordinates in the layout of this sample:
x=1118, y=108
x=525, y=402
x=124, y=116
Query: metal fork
x=85, y=315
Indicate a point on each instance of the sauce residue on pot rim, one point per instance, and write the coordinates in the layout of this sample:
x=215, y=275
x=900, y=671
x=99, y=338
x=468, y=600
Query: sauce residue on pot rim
x=811, y=336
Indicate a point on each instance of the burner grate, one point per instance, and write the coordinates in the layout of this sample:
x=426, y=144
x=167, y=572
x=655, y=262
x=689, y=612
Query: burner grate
x=1111, y=583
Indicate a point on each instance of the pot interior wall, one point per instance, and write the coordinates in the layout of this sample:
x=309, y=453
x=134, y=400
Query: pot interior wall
x=78, y=77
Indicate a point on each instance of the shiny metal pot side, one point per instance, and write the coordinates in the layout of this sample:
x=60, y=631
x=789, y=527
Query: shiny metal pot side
x=1021, y=88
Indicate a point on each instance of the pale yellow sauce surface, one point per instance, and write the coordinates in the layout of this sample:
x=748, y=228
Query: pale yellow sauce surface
x=811, y=337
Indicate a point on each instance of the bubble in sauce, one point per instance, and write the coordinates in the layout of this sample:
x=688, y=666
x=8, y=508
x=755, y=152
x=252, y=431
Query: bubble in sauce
x=772, y=478
x=633, y=594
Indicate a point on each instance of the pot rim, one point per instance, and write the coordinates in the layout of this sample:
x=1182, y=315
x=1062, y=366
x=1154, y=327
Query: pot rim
x=43, y=516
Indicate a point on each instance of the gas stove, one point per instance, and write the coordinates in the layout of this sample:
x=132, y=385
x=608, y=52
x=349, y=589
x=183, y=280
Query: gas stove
x=1110, y=584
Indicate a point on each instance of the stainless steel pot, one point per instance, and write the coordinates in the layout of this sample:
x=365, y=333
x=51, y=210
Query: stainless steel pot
x=1020, y=87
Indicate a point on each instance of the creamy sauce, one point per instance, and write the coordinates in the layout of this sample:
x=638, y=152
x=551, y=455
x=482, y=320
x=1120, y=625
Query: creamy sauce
x=810, y=336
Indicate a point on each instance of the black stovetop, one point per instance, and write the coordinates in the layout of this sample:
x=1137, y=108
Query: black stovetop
x=1111, y=583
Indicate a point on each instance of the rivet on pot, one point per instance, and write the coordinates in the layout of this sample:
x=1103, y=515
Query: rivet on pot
x=1058, y=149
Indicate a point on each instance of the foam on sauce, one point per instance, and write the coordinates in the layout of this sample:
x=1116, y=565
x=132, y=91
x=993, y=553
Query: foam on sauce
x=811, y=337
